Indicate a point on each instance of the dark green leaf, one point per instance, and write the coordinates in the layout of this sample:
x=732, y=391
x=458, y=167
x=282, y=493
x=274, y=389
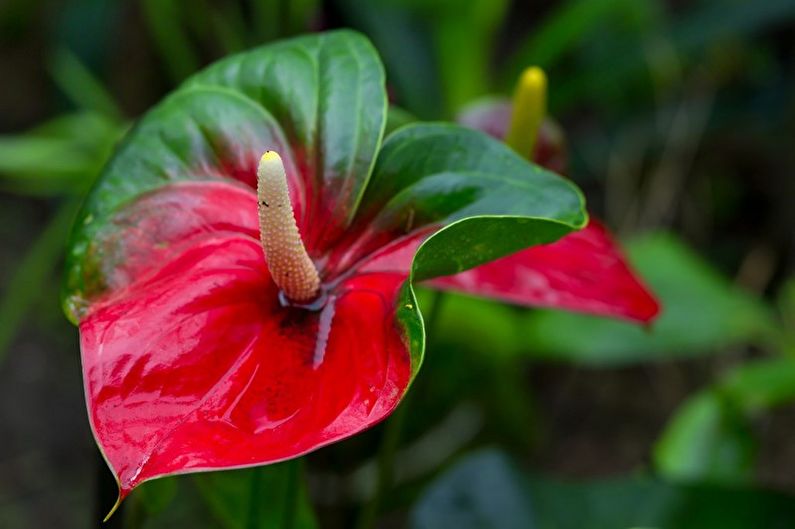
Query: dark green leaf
x=491, y=201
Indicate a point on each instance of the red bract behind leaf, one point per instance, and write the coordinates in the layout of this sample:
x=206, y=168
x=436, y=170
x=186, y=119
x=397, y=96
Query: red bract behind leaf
x=199, y=366
x=584, y=271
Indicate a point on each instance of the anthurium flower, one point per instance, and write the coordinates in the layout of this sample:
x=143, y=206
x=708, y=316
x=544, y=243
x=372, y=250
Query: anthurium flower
x=242, y=272
x=584, y=271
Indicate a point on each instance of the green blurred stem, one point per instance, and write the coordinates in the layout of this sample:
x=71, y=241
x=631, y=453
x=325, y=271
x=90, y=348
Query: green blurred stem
x=290, y=507
x=390, y=441
x=82, y=86
x=254, y=499
x=24, y=287
x=165, y=24
x=291, y=499
x=386, y=463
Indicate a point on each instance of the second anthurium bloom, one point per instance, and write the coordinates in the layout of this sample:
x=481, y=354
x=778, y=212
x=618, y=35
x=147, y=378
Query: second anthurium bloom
x=584, y=271
x=242, y=272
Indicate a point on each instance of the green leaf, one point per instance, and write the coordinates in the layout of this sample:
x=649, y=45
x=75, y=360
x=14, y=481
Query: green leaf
x=490, y=201
x=786, y=306
x=265, y=497
x=486, y=490
x=707, y=440
x=702, y=313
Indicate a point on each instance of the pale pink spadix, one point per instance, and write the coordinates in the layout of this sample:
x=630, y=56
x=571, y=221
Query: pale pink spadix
x=289, y=264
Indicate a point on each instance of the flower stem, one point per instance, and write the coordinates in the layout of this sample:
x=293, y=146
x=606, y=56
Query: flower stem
x=294, y=469
x=254, y=499
x=390, y=440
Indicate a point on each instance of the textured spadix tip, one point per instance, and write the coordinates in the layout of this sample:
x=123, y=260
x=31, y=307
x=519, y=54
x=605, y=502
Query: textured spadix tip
x=270, y=157
x=288, y=261
x=529, y=109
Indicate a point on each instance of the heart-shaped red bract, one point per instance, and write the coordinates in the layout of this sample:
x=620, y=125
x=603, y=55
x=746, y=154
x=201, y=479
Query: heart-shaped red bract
x=194, y=363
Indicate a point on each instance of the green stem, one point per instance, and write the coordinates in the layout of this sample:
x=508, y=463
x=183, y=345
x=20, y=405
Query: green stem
x=164, y=18
x=82, y=86
x=294, y=468
x=254, y=499
x=390, y=441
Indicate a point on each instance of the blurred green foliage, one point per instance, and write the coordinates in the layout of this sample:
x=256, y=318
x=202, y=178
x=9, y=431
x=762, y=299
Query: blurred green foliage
x=486, y=490
x=702, y=313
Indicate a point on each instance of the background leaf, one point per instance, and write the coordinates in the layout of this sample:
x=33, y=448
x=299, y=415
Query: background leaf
x=708, y=440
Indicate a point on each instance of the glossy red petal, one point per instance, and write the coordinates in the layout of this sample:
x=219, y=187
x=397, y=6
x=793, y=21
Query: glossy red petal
x=168, y=220
x=584, y=271
x=198, y=365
